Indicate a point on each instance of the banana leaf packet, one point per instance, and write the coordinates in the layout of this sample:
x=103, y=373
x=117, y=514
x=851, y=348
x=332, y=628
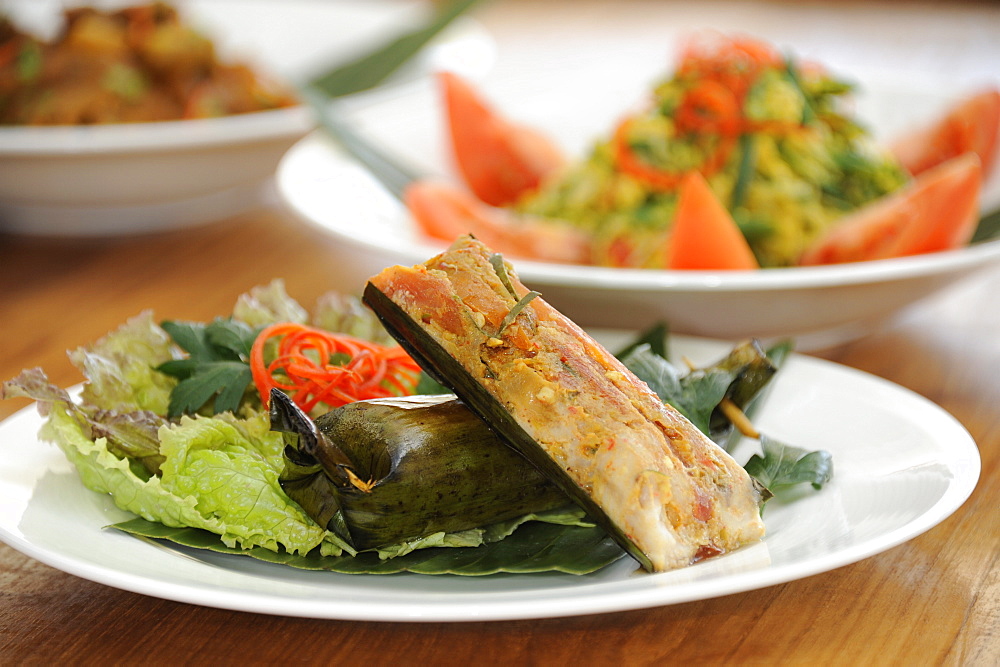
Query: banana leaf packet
x=386, y=471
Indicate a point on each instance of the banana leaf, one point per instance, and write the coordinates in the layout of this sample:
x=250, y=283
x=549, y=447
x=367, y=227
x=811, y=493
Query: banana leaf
x=374, y=67
x=385, y=471
x=739, y=378
x=534, y=547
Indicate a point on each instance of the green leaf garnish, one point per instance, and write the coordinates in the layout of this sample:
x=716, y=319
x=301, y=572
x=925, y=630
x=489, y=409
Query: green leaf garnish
x=695, y=395
x=989, y=227
x=782, y=466
x=375, y=67
x=742, y=379
x=216, y=366
x=500, y=267
x=656, y=337
x=534, y=547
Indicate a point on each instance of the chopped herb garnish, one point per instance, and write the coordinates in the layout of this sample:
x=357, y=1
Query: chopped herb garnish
x=516, y=310
x=496, y=259
x=29, y=62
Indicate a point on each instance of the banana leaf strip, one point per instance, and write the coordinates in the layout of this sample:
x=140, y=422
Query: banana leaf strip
x=533, y=548
x=751, y=370
x=385, y=471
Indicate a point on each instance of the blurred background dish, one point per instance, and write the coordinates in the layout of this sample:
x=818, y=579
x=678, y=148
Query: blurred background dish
x=125, y=178
x=820, y=306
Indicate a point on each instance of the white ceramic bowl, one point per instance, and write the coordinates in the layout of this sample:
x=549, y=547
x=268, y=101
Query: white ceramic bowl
x=818, y=305
x=143, y=177
x=575, y=86
x=100, y=180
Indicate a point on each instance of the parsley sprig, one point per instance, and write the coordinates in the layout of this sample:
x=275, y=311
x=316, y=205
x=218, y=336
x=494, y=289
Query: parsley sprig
x=216, y=366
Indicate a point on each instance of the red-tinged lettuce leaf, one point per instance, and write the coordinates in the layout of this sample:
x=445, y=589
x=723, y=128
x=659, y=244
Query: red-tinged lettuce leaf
x=533, y=547
x=120, y=367
x=130, y=434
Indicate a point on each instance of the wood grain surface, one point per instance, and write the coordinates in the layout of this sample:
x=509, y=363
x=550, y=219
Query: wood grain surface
x=933, y=600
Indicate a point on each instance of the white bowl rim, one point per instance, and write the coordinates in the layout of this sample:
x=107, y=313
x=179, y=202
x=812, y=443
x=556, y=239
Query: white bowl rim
x=775, y=279
x=143, y=137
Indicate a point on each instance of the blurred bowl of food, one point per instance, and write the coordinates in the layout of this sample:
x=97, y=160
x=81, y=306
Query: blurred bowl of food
x=835, y=298
x=137, y=118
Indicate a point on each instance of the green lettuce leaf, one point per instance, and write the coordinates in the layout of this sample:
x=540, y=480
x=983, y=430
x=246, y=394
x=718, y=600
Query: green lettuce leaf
x=268, y=304
x=347, y=314
x=213, y=477
x=120, y=367
x=233, y=481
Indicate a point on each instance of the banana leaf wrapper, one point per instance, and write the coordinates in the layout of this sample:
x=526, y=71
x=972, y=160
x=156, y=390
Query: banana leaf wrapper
x=752, y=370
x=387, y=471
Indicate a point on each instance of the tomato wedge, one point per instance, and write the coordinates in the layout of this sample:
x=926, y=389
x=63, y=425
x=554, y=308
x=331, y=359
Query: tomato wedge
x=704, y=236
x=939, y=210
x=971, y=125
x=498, y=160
x=445, y=212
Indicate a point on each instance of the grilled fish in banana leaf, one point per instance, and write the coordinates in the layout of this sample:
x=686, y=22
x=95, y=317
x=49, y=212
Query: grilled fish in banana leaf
x=386, y=471
x=660, y=487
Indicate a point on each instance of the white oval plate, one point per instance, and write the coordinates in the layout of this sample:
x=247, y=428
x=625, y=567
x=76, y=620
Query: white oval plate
x=820, y=306
x=901, y=463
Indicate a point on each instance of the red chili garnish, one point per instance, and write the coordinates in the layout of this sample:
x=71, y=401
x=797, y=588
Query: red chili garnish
x=712, y=108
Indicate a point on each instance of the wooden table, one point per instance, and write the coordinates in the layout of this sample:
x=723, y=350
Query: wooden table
x=933, y=600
